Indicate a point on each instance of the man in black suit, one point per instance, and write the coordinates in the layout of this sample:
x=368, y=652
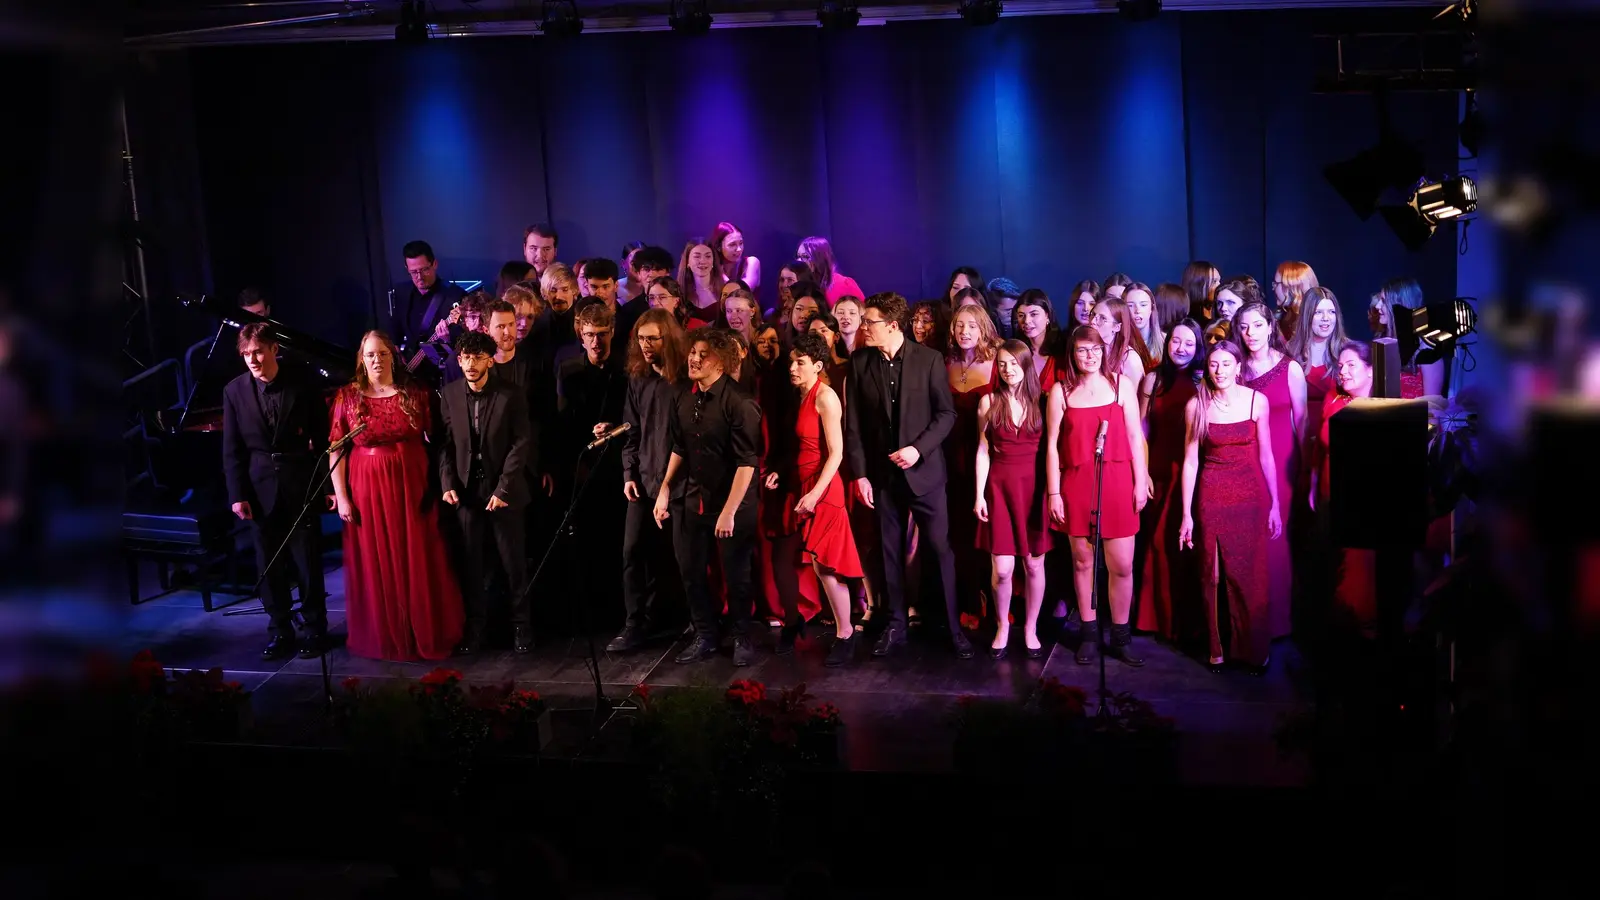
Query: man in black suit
x=274, y=431
x=899, y=411
x=482, y=473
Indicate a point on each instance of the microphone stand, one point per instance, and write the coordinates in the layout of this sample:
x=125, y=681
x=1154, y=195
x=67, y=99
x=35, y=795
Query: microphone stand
x=602, y=705
x=327, y=679
x=1099, y=564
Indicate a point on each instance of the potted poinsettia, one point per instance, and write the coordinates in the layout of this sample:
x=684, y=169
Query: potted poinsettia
x=1056, y=723
x=183, y=705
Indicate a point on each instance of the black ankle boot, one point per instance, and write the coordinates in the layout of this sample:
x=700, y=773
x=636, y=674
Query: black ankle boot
x=1088, y=642
x=1122, y=645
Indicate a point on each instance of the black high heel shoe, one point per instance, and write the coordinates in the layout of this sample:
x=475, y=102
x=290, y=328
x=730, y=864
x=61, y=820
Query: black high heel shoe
x=998, y=653
x=1217, y=668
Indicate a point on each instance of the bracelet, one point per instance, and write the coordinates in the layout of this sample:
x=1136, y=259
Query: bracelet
x=1052, y=495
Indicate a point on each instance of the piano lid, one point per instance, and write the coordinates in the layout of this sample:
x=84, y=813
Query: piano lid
x=331, y=360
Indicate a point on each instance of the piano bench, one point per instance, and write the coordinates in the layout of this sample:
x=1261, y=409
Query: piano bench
x=183, y=539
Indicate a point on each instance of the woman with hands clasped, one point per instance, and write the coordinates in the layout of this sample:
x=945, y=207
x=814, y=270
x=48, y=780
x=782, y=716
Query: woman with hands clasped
x=1090, y=407
x=1228, y=461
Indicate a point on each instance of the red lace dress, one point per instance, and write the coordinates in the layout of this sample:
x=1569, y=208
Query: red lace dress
x=1273, y=385
x=1119, y=515
x=401, y=598
x=826, y=536
x=1230, y=523
x=1169, y=583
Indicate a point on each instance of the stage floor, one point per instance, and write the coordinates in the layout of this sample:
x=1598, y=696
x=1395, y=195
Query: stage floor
x=898, y=710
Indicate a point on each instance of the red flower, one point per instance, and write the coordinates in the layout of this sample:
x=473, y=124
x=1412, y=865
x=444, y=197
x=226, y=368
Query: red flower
x=441, y=676
x=351, y=684
x=747, y=693
x=147, y=671
x=969, y=622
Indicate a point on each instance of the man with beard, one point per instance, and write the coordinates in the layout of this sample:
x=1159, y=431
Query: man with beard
x=657, y=376
x=481, y=474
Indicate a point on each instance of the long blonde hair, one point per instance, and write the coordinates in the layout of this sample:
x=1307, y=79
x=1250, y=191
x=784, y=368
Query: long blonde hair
x=354, y=394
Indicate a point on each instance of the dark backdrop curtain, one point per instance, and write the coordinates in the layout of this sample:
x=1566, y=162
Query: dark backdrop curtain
x=1045, y=149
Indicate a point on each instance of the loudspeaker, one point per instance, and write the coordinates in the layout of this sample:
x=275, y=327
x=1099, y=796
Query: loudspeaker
x=1378, y=474
x=1386, y=358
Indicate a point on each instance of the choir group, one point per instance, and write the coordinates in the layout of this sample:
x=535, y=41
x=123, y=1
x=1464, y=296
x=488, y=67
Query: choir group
x=839, y=457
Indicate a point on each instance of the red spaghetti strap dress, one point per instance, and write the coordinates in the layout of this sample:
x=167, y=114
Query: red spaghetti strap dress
x=826, y=532
x=1231, y=538
x=1017, y=523
x=1119, y=514
x=1274, y=387
x=401, y=599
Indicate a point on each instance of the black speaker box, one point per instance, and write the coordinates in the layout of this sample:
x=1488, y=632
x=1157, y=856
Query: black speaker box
x=1377, y=473
x=1386, y=355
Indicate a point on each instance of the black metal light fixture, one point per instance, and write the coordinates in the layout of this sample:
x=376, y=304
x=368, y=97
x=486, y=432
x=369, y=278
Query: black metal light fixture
x=689, y=17
x=1431, y=203
x=559, y=18
x=981, y=12
x=413, y=27
x=1439, y=326
x=833, y=15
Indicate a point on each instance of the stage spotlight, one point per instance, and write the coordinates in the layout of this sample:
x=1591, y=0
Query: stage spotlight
x=1139, y=10
x=1362, y=179
x=1439, y=326
x=838, y=15
x=981, y=12
x=413, y=26
x=1430, y=204
x=561, y=19
x=689, y=17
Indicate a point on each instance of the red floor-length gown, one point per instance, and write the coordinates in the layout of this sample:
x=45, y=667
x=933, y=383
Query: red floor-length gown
x=961, y=493
x=1230, y=520
x=825, y=534
x=1273, y=385
x=1019, y=524
x=401, y=598
x=777, y=398
x=1119, y=516
x=1169, y=586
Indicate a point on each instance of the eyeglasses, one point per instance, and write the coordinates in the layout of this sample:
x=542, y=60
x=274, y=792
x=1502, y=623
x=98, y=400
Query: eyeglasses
x=1091, y=350
x=479, y=358
x=868, y=323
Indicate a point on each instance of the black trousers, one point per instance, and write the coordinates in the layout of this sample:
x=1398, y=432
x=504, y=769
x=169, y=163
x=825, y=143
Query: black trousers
x=305, y=548
x=695, y=539
x=650, y=578
x=894, y=501
x=503, y=531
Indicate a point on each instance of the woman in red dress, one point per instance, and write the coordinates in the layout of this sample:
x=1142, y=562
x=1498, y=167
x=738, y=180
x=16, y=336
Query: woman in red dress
x=1355, y=589
x=1169, y=584
x=1267, y=369
x=401, y=600
x=1011, y=518
x=1227, y=460
x=814, y=496
x=970, y=369
x=1083, y=402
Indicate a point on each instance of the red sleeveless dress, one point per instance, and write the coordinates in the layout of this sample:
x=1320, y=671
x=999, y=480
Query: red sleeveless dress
x=401, y=599
x=826, y=532
x=1230, y=523
x=1273, y=385
x=1169, y=584
x=1119, y=514
x=1018, y=522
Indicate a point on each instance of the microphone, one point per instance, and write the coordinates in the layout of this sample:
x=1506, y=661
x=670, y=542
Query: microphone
x=345, y=441
x=1100, y=438
x=616, y=431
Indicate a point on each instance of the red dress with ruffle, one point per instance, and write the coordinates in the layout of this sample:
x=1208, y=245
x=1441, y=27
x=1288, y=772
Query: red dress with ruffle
x=826, y=536
x=401, y=598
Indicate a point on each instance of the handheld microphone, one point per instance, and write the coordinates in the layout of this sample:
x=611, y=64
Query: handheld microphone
x=1100, y=438
x=347, y=440
x=616, y=431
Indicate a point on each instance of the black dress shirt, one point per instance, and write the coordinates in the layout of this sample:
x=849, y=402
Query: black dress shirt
x=717, y=431
x=270, y=396
x=648, y=409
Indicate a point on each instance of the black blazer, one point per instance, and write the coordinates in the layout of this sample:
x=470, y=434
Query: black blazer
x=508, y=441
x=265, y=469
x=927, y=413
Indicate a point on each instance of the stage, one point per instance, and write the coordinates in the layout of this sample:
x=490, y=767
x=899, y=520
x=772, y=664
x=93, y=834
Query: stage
x=898, y=710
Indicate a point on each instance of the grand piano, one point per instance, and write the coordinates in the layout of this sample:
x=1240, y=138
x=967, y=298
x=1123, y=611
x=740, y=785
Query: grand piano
x=177, y=513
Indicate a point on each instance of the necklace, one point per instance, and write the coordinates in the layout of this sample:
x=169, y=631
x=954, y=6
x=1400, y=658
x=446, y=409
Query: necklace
x=964, y=367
